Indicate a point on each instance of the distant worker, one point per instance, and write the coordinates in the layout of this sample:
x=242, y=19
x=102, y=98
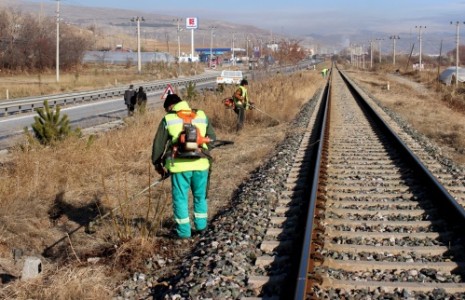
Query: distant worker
x=181, y=150
x=141, y=100
x=324, y=72
x=129, y=99
x=241, y=103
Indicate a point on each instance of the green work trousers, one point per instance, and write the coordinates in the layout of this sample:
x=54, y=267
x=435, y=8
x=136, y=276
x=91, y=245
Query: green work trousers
x=181, y=183
x=240, y=111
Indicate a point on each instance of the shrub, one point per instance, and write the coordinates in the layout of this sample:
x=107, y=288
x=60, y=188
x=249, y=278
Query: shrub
x=50, y=127
x=190, y=91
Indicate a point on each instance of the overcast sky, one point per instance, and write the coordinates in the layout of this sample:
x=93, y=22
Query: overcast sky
x=306, y=16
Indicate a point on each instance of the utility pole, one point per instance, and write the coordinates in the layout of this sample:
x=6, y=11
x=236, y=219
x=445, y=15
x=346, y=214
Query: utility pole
x=371, y=54
x=351, y=47
x=457, y=57
x=212, y=28
x=353, y=55
x=363, y=57
x=247, y=40
x=138, y=20
x=58, y=42
x=179, y=41
x=379, y=48
x=233, y=58
x=359, y=57
x=167, y=38
x=420, y=39
x=394, y=38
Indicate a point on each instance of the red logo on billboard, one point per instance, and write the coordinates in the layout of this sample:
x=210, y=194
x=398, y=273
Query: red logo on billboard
x=191, y=23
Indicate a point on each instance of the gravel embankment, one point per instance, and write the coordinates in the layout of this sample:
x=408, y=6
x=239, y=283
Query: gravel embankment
x=223, y=257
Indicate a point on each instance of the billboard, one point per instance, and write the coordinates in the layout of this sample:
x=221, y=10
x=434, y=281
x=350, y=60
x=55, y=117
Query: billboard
x=192, y=23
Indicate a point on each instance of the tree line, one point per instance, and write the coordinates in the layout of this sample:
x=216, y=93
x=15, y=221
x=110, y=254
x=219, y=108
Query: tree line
x=28, y=43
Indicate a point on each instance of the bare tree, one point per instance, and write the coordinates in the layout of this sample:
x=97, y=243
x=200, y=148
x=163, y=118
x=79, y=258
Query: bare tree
x=27, y=44
x=289, y=52
x=73, y=45
x=452, y=53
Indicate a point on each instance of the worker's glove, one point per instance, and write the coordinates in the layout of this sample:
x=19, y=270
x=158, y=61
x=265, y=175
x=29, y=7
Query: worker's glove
x=162, y=171
x=251, y=105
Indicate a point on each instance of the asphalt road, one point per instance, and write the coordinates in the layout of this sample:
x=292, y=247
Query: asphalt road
x=82, y=115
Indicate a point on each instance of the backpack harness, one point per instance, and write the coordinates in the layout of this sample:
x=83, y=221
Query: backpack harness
x=189, y=144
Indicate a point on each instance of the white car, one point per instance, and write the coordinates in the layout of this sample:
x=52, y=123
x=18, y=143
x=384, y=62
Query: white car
x=229, y=77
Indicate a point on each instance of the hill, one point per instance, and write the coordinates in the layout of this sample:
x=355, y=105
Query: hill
x=113, y=27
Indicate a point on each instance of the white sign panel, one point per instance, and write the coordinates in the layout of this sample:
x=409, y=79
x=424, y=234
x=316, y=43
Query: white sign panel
x=192, y=23
x=168, y=91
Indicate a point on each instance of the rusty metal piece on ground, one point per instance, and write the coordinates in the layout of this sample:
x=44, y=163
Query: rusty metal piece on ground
x=319, y=228
x=317, y=257
x=315, y=278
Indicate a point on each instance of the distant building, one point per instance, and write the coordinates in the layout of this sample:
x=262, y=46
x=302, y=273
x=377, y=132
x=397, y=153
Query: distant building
x=273, y=46
x=120, y=57
x=417, y=66
x=188, y=58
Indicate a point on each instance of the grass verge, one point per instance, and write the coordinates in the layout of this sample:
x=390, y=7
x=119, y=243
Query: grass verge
x=46, y=192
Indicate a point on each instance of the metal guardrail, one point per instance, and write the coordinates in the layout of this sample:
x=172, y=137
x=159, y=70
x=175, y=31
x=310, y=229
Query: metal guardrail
x=30, y=103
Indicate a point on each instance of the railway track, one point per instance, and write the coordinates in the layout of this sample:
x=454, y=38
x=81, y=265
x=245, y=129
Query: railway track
x=387, y=221
x=385, y=224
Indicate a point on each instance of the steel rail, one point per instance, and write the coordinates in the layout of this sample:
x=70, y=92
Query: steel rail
x=304, y=264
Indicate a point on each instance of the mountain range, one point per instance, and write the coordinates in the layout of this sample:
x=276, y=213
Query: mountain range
x=113, y=21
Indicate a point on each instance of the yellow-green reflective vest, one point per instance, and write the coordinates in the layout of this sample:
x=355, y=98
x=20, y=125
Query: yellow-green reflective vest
x=244, y=96
x=174, y=126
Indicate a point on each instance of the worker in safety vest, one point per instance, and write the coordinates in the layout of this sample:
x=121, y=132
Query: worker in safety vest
x=324, y=72
x=241, y=103
x=180, y=150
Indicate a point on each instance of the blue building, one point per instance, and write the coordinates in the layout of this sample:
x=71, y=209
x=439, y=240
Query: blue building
x=204, y=53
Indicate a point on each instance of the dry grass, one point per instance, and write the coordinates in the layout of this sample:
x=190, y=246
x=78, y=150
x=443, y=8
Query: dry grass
x=434, y=110
x=71, y=282
x=90, y=77
x=46, y=192
x=96, y=76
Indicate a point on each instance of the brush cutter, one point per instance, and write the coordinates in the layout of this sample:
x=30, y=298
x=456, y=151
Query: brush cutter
x=89, y=226
x=263, y=112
